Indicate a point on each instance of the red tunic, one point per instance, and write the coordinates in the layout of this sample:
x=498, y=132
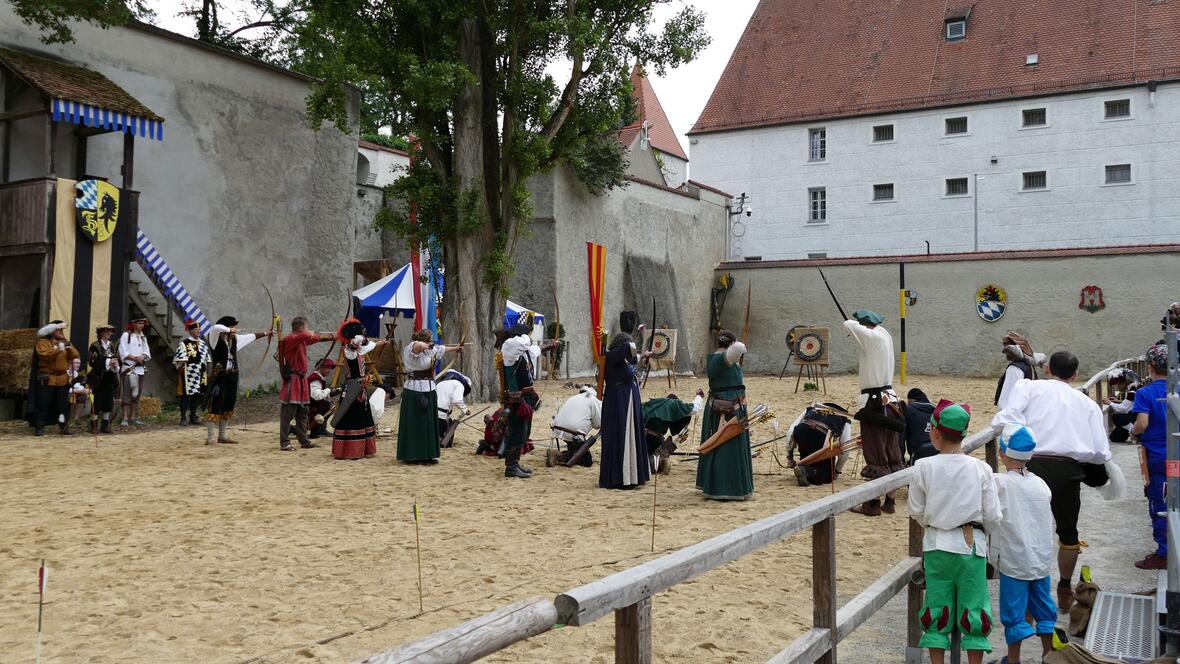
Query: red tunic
x=293, y=350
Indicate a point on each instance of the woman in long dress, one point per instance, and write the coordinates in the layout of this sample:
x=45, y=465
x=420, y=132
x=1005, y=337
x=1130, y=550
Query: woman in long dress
x=354, y=435
x=417, y=430
x=624, y=448
x=725, y=473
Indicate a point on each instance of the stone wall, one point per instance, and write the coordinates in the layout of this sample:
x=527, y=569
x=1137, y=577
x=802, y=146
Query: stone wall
x=944, y=334
x=241, y=191
x=659, y=243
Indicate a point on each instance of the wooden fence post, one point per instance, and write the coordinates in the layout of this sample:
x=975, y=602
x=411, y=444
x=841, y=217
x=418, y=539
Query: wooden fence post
x=913, y=653
x=633, y=633
x=823, y=582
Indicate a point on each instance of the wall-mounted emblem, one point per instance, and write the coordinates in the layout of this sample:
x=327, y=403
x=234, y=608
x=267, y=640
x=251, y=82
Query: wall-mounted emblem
x=991, y=302
x=97, y=208
x=1092, y=299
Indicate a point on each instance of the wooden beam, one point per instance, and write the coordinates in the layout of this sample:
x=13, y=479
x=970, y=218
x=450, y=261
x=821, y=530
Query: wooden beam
x=633, y=633
x=128, y=161
x=80, y=144
x=21, y=114
x=806, y=648
x=823, y=582
x=914, y=599
x=585, y=604
x=475, y=638
x=50, y=147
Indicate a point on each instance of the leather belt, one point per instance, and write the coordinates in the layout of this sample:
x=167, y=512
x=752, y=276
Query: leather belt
x=424, y=374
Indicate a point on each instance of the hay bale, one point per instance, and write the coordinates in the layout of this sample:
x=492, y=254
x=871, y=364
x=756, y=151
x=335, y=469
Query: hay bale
x=149, y=406
x=14, y=369
x=18, y=339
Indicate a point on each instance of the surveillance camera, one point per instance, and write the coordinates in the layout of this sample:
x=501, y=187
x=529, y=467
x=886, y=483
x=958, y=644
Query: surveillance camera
x=749, y=212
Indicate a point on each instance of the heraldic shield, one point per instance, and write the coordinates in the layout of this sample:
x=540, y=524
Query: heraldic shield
x=991, y=302
x=1092, y=299
x=97, y=208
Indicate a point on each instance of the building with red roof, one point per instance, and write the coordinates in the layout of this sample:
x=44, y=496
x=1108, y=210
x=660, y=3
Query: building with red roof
x=655, y=151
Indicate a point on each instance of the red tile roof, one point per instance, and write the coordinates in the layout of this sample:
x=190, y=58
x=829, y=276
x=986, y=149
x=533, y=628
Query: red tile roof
x=60, y=80
x=660, y=133
x=383, y=148
x=802, y=60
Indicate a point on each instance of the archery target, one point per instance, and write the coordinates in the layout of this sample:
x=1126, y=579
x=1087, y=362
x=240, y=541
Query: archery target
x=661, y=345
x=810, y=345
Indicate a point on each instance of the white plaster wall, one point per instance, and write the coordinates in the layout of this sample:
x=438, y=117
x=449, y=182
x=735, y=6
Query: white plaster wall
x=387, y=166
x=241, y=191
x=675, y=169
x=1078, y=210
x=944, y=334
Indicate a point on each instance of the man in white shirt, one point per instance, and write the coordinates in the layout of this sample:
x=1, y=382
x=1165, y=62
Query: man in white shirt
x=134, y=354
x=1019, y=368
x=577, y=417
x=451, y=389
x=1071, y=449
x=881, y=421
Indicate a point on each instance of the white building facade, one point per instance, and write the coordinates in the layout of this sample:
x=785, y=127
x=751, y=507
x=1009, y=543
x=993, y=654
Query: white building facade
x=1084, y=169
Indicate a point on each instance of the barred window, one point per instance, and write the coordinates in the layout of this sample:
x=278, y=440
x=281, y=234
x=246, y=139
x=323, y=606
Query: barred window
x=956, y=126
x=883, y=133
x=956, y=187
x=1119, y=108
x=883, y=192
x=1118, y=174
x=1034, y=117
x=1035, y=180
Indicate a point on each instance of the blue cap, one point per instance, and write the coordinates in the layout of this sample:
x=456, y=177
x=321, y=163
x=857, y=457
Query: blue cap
x=868, y=317
x=1017, y=442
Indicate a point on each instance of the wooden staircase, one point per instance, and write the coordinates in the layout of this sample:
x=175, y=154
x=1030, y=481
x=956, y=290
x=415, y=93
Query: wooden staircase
x=163, y=330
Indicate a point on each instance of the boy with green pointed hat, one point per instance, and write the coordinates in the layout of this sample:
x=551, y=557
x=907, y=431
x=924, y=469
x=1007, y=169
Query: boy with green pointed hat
x=954, y=498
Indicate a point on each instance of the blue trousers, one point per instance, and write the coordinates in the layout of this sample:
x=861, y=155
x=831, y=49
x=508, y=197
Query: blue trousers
x=1018, y=598
x=1156, y=473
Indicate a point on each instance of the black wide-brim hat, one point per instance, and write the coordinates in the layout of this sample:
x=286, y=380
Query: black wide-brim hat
x=349, y=329
x=228, y=321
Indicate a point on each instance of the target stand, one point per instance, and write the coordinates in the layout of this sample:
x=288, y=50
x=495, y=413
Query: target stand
x=809, y=348
x=663, y=353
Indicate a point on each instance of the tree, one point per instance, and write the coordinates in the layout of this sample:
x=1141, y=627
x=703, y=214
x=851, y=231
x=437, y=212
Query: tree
x=468, y=79
x=53, y=17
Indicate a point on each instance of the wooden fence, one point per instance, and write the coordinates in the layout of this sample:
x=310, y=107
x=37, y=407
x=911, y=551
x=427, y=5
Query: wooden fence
x=628, y=594
x=1098, y=385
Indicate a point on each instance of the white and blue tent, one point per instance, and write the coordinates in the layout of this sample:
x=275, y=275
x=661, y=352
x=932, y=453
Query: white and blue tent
x=393, y=294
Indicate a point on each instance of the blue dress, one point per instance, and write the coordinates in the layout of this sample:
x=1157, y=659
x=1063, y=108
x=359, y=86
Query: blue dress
x=624, y=450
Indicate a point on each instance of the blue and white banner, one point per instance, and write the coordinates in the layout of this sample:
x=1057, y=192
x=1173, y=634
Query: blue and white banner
x=86, y=115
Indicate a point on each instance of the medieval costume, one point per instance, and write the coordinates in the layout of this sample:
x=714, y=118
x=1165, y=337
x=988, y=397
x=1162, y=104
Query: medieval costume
x=295, y=394
x=79, y=395
x=519, y=399
x=223, y=385
x=103, y=358
x=320, y=395
x=725, y=473
x=134, y=354
x=192, y=364
x=916, y=437
x=879, y=413
x=665, y=418
x=49, y=379
x=1019, y=368
x=624, y=447
x=575, y=419
x=417, y=433
x=821, y=425
x=354, y=427
x=452, y=387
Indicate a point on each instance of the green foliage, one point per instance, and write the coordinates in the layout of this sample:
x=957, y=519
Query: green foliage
x=810, y=387
x=53, y=16
x=395, y=142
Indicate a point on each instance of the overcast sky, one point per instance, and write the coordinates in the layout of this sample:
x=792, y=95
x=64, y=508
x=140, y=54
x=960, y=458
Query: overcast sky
x=683, y=92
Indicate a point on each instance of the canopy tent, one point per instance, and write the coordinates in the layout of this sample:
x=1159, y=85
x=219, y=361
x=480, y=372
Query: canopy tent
x=512, y=314
x=393, y=294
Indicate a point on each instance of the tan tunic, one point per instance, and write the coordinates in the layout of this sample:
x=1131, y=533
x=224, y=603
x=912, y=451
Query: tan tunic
x=54, y=362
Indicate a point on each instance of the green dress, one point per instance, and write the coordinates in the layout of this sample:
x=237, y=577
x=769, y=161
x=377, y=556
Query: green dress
x=726, y=473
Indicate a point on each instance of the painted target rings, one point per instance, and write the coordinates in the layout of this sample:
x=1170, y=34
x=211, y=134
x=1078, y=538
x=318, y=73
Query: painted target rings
x=809, y=347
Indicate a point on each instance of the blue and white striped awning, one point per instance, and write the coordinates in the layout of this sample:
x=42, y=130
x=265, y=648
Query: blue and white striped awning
x=86, y=115
x=167, y=282
x=395, y=291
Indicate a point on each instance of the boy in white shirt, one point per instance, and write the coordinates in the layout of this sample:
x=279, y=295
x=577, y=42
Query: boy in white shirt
x=953, y=497
x=1022, y=546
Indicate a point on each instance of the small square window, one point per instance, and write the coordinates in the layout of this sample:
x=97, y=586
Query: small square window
x=817, y=142
x=956, y=29
x=818, y=197
x=1118, y=174
x=1118, y=108
x=956, y=187
x=956, y=125
x=883, y=192
x=1034, y=117
x=1035, y=180
x=817, y=254
x=883, y=133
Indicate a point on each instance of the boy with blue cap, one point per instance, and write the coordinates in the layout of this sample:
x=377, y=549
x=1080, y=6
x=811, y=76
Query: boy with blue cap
x=1022, y=546
x=953, y=497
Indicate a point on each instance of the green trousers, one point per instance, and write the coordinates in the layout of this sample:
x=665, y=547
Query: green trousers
x=956, y=596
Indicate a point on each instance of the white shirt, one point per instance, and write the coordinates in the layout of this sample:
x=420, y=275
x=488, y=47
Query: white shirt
x=845, y=437
x=450, y=395
x=133, y=343
x=317, y=390
x=1012, y=376
x=1065, y=421
x=874, y=349
x=421, y=362
x=1123, y=406
x=517, y=347
x=243, y=340
x=581, y=412
x=947, y=491
x=1023, y=545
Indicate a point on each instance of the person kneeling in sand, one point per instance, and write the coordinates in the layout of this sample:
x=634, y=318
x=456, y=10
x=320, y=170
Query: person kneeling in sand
x=822, y=424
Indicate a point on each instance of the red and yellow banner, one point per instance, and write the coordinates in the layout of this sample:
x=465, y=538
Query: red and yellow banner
x=596, y=264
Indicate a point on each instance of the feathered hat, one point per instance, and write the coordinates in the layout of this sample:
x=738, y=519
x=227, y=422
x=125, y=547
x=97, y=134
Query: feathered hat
x=348, y=329
x=53, y=326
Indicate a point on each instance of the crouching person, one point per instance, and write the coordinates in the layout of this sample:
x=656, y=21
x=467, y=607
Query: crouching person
x=953, y=497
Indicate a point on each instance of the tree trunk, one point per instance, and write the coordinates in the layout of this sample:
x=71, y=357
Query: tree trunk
x=479, y=303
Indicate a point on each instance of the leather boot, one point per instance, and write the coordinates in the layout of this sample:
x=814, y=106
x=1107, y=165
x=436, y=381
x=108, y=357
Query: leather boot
x=890, y=506
x=64, y=430
x=516, y=471
x=104, y=426
x=871, y=508
x=94, y=427
x=192, y=418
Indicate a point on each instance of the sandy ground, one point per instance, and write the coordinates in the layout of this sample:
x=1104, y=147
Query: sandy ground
x=163, y=549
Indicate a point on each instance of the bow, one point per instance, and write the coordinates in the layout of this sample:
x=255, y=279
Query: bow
x=651, y=342
x=558, y=333
x=274, y=321
x=347, y=311
x=746, y=325
x=462, y=340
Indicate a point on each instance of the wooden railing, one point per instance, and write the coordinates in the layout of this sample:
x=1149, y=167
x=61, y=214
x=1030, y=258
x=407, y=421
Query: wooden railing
x=628, y=594
x=1098, y=385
